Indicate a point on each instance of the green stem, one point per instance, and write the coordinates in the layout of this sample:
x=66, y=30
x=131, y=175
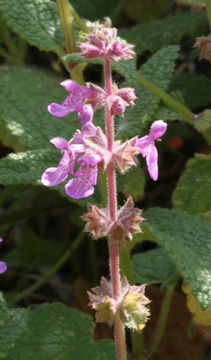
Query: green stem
x=167, y=99
x=81, y=24
x=66, y=22
x=51, y=272
x=162, y=320
x=208, y=4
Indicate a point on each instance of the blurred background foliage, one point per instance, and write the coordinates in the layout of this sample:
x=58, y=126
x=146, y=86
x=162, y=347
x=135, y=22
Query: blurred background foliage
x=48, y=255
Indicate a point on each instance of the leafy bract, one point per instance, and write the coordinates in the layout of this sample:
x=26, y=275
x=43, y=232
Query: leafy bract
x=186, y=240
x=51, y=331
x=170, y=30
x=158, y=69
x=154, y=266
x=24, y=97
x=36, y=21
x=193, y=191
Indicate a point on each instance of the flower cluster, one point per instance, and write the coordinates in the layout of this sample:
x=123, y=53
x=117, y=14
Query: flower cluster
x=126, y=224
x=203, y=43
x=131, y=305
x=103, y=43
x=3, y=266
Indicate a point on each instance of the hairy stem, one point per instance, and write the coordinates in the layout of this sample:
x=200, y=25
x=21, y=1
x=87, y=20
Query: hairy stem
x=119, y=331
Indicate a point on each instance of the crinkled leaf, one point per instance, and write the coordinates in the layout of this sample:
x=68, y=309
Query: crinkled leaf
x=11, y=328
x=193, y=191
x=36, y=21
x=195, y=89
x=26, y=167
x=170, y=30
x=154, y=266
x=53, y=331
x=24, y=97
x=33, y=251
x=186, y=240
x=158, y=69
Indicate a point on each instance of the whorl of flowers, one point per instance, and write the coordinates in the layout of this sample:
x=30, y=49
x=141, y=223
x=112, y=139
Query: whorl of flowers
x=131, y=305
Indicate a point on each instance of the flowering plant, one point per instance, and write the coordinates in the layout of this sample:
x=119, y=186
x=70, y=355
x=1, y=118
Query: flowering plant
x=99, y=139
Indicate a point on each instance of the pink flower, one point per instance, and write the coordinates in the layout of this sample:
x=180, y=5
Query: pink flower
x=148, y=149
x=102, y=43
x=74, y=101
x=85, y=177
x=3, y=266
x=81, y=186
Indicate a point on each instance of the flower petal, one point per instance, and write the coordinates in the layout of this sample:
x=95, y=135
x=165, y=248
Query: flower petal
x=86, y=115
x=3, y=267
x=54, y=176
x=60, y=143
x=59, y=110
x=152, y=162
x=77, y=188
x=157, y=129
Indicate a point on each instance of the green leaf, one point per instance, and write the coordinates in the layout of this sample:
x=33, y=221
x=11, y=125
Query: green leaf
x=24, y=97
x=53, y=331
x=36, y=21
x=132, y=183
x=195, y=89
x=193, y=191
x=158, y=69
x=34, y=252
x=26, y=167
x=193, y=2
x=11, y=330
x=170, y=30
x=186, y=240
x=154, y=266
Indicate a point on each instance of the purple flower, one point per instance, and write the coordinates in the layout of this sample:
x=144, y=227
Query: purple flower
x=75, y=151
x=81, y=185
x=74, y=101
x=3, y=266
x=55, y=175
x=148, y=149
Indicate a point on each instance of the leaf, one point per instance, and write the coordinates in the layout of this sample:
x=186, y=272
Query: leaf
x=154, y=266
x=36, y=21
x=34, y=252
x=26, y=167
x=192, y=2
x=132, y=183
x=11, y=329
x=195, y=89
x=56, y=332
x=186, y=240
x=158, y=69
x=193, y=191
x=24, y=97
x=170, y=30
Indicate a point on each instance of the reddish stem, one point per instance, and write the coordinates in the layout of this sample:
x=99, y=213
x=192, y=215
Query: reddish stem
x=119, y=331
